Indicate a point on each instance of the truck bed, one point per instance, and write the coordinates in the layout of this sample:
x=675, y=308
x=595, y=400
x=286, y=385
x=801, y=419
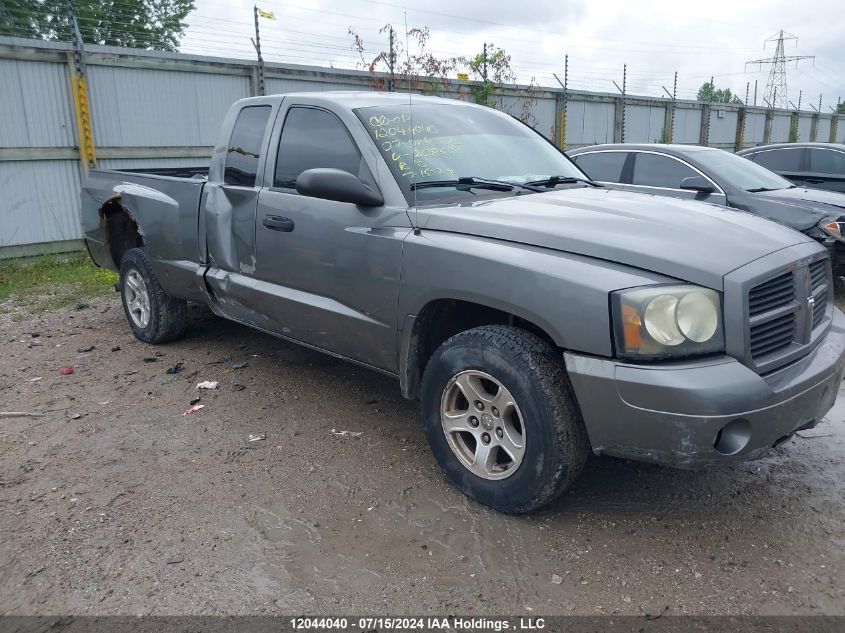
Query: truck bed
x=172, y=172
x=161, y=205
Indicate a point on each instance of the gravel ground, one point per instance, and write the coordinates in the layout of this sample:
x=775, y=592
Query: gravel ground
x=114, y=502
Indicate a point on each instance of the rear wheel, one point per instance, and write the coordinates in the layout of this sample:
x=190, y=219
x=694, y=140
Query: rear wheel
x=501, y=418
x=153, y=315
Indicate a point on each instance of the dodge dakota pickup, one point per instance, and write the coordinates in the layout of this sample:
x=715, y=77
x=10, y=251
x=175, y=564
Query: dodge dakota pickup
x=536, y=315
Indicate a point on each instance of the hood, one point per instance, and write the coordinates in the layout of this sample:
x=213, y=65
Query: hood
x=801, y=208
x=688, y=240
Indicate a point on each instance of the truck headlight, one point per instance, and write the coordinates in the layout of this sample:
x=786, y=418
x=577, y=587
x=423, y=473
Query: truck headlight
x=833, y=227
x=657, y=322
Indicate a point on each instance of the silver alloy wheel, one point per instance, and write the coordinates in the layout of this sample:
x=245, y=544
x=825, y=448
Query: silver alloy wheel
x=137, y=298
x=483, y=425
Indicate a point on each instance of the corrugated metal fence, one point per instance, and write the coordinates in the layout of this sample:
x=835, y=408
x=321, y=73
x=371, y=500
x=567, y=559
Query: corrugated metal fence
x=153, y=109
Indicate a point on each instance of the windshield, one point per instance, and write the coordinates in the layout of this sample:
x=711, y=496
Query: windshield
x=451, y=141
x=739, y=172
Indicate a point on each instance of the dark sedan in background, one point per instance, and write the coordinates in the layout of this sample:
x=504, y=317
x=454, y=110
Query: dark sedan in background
x=815, y=165
x=714, y=175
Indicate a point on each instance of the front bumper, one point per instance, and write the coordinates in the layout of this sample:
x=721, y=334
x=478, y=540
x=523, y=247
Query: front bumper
x=704, y=413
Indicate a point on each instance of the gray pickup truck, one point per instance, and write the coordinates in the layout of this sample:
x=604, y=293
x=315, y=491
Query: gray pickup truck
x=536, y=315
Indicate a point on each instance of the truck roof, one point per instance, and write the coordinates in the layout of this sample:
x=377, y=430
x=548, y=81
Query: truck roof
x=355, y=98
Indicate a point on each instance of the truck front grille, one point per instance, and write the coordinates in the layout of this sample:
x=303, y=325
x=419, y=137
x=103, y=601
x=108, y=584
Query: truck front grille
x=771, y=294
x=819, y=281
x=773, y=335
x=785, y=311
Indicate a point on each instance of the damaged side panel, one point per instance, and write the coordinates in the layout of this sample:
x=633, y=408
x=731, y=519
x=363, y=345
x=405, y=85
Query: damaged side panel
x=122, y=210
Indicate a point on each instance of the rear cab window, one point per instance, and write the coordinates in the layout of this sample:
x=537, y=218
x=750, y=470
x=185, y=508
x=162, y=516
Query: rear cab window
x=653, y=170
x=602, y=166
x=244, y=146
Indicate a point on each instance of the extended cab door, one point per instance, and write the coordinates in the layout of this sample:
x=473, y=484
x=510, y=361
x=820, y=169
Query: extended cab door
x=329, y=271
x=228, y=211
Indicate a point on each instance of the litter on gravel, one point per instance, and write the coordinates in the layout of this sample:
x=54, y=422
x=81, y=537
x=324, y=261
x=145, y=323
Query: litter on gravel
x=237, y=387
x=345, y=434
x=175, y=369
x=66, y=371
x=207, y=384
x=256, y=437
x=36, y=379
x=240, y=365
x=85, y=350
x=193, y=409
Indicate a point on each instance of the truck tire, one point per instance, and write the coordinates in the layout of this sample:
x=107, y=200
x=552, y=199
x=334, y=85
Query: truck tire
x=502, y=419
x=153, y=315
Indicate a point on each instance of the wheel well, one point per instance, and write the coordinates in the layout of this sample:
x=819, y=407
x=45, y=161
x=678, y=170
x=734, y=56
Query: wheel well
x=442, y=319
x=120, y=230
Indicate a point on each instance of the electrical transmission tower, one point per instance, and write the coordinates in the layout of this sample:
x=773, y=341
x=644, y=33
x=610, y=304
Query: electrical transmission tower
x=776, y=96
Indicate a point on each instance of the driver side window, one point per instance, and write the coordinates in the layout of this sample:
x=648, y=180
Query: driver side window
x=313, y=138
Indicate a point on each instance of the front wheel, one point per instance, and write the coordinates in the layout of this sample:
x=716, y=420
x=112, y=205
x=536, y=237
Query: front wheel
x=501, y=418
x=153, y=315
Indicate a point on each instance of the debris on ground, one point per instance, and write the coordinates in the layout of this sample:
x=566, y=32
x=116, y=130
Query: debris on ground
x=151, y=359
x=237, y=387
x=36, y=379
x=193, y=409
x=194, y=401
x=654, y=616
x=66, y=371
x=21, y=414
x=76, y=416
x=104, y=402
x=175, y=369
x=175, y=559
x=256, y=437
x=85, y=350
x=556, y=580
x=116, y=348
x=240, y=365
x=346, y=434
x=207, y=384
x=82, y=306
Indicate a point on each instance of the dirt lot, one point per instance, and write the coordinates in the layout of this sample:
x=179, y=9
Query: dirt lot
x=116, y=503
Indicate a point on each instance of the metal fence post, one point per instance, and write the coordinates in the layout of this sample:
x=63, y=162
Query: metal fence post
x=740, y=129
x=81, y=103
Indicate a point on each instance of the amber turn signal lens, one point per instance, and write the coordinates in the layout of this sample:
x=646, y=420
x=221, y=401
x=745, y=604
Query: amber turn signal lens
x=631, y=328
x=833, y=228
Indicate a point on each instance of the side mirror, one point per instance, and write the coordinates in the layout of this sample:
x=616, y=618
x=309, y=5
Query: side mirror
x=698, y=183
x=337, y=185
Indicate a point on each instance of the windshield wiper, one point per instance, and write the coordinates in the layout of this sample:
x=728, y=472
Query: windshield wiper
x=761, y=189
x=554, y=181
x=471, y=182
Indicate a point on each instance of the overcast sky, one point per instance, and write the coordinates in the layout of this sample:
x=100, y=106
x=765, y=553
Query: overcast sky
x=654, y=38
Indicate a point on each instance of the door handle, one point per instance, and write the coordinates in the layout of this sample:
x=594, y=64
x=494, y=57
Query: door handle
x=278, y=223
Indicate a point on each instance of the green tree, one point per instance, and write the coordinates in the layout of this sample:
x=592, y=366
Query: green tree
x=151, y=24
x=840, y=109
x=491, y=66
x=717, y=95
